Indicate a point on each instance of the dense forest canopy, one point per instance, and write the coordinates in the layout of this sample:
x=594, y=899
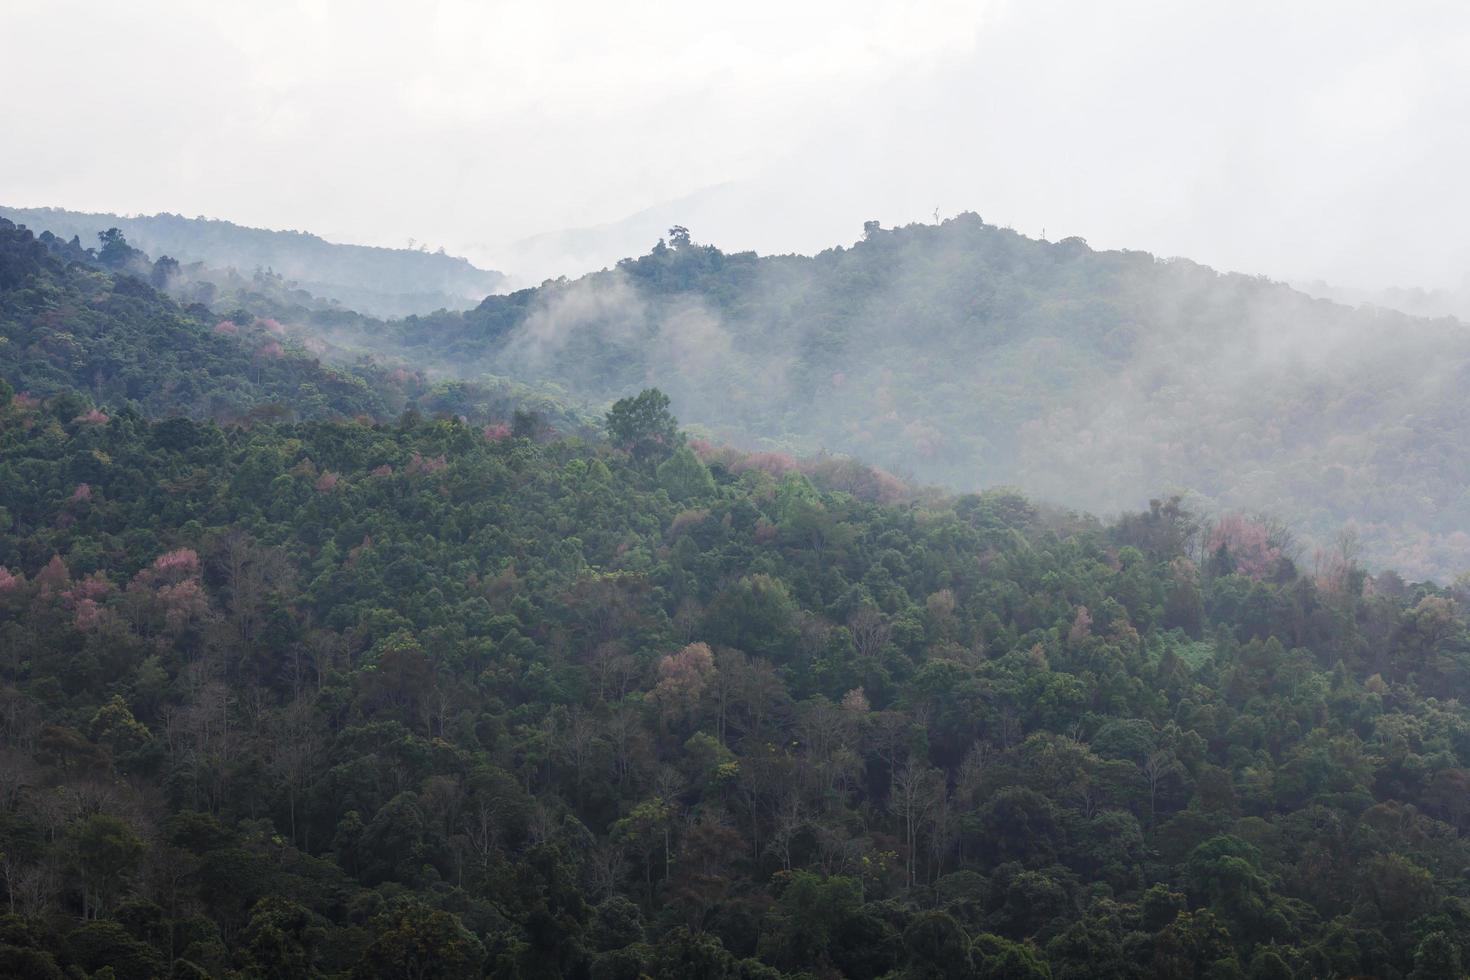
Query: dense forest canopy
x=378, y=281
x=330, y=667
x=338, y=698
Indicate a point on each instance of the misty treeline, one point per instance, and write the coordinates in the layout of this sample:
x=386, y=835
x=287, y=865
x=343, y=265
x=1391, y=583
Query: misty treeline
x=971, y=356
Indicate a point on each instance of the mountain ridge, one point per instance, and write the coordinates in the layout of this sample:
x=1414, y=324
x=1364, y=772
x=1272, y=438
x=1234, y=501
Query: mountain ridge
x=368, y=278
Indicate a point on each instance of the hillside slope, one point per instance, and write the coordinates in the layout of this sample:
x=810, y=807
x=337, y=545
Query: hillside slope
x=68, y=326
x=379, y=281
x=970, y=355
x=321, y=700
x=71, y=327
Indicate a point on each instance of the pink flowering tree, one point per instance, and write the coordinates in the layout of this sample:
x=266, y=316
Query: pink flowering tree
x=182, y=603
x=55, y=578
x=90, y=616
x=173, y=566
x=93, y=587
x=426, y=464
x=168, y=592
x=1246, y=544
x=683, y=678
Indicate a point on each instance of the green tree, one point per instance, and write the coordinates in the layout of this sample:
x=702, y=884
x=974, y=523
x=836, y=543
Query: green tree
x=695, y=956
x=807, y=919
x=1191, y=946
x=106, y=852
x=616, y=923
x=114, y=726
x=1267, y=964
x=1436, y=958
x=412, y=941
x=647, y=830
x=644, y=426
x=684, y=476
x=33, y=964
x=936, y=947
x=114, y=250
x=1000, y=959
x=281, y=940
x=104, y=944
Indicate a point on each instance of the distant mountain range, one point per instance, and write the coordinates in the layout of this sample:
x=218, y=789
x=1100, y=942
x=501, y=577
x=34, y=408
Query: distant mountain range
x=378, y=281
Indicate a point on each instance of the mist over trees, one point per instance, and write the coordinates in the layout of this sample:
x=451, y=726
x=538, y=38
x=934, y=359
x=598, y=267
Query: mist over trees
x=972, y=356
x=776, y=570
x=969, y=356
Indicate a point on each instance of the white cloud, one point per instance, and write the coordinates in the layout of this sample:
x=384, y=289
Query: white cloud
x=1307, y=139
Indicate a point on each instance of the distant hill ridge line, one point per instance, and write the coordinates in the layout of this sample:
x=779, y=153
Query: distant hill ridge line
x=375, y=279
x=235, y=225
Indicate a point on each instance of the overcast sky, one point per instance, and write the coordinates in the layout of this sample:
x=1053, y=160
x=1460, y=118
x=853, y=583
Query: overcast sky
x=1296, y=139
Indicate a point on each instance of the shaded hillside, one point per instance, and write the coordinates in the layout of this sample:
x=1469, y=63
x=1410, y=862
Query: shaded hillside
x=380, y=281
x=69, y=326
x=971, y=355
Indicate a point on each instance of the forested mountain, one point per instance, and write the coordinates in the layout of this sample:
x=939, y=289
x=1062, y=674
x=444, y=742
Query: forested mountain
x=434, y=700
x=972, y=356
x=337, y=668
x=378, y=281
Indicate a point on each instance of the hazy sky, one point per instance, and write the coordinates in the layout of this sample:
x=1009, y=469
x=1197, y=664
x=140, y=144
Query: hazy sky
x=1297, y=139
